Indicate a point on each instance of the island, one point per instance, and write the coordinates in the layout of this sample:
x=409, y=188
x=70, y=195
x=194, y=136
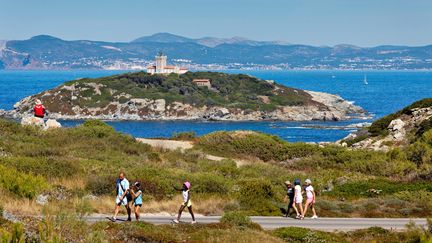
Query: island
x=211, y=96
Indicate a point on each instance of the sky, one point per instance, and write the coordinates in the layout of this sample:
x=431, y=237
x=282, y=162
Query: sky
x=315, y=22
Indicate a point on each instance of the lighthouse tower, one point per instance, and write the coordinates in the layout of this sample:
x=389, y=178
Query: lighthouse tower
x=161, y=62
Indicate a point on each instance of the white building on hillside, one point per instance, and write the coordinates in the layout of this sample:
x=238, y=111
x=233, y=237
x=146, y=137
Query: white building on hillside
x=161, y=66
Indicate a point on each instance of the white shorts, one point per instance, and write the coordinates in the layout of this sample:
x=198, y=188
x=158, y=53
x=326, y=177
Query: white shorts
x=298, y=199
x=124, y=201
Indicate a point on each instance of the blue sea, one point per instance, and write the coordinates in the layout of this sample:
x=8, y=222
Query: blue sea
x=386, y=92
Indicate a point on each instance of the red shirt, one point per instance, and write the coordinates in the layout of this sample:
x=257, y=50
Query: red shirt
x=39, y=111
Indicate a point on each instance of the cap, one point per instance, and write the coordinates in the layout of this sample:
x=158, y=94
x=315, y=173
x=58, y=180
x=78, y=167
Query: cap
x=308, y=181
x=187, y=184
x=287, y=182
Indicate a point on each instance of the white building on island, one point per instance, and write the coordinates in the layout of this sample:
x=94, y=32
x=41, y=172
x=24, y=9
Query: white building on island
x=161, y=66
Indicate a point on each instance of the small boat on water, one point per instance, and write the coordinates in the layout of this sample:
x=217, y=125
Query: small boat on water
x=365, y=80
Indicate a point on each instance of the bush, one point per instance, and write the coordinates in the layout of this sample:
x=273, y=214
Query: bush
x=256, y=196
x=20, y=184
x=296, y=234
x=247, y=143
x=422, y=198
x=49, y=167
x=185, y=136
x=209, y=183
x=102, y=185
x=238, y=219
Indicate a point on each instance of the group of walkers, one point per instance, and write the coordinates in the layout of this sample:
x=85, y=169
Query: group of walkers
x=294, y=198
x=126, y=195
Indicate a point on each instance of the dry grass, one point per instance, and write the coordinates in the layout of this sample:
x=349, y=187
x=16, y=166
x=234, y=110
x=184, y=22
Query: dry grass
x=21, y=207
x=70, y=183
x=208, y=206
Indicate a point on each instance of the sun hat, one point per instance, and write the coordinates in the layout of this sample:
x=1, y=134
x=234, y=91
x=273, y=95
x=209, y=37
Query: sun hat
x=308, y=181
x=38, y=102
x=187, y=184
x=287, y=182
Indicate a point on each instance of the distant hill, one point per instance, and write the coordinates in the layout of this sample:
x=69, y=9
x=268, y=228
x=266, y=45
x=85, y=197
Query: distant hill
x=47, y=52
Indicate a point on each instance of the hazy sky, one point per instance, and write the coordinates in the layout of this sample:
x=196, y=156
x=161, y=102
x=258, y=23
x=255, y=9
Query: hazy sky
x=317, y=22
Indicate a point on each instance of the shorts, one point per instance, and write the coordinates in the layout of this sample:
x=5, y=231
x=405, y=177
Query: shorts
x=298, y=200
x=187, y=204
x=138, y=205
x=124, y=202
x=309, y=200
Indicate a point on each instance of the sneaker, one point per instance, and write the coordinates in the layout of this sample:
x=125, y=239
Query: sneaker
x=175, y=221
x=298, y=216
x=193, y=222
x=129, y=219
x=113, y=219
x=301, y=217
x=314, y=217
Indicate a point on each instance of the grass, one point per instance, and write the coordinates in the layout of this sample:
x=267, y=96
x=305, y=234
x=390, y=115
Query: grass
x=74, y=165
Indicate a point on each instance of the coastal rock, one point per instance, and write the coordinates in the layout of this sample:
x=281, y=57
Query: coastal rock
x=51, y=123
x=32, y=121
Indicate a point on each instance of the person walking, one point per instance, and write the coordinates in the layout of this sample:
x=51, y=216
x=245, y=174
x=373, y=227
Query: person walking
x=289, y=197
x=123, y=192
x=39, y=110
x=298, y=199
x=310, y=199
x=137, y=199
x=186, y=202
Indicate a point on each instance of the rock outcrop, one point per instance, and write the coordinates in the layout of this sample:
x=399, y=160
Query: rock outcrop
x=399, y=131
x=39, y=122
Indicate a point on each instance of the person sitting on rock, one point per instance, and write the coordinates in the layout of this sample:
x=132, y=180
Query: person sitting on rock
x=39, y=110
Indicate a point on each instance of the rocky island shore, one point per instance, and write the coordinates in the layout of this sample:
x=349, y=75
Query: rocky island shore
x=224, y=97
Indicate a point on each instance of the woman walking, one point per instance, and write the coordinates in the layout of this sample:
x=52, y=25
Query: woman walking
x=298, y=199
x=310, y=201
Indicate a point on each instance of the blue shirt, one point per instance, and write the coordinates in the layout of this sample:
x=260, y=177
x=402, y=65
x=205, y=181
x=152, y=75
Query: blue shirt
x=138, y=200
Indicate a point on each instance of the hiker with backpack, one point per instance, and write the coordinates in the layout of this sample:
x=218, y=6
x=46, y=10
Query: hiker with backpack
x=123, y=196
x=137, y=199
x=186, y=202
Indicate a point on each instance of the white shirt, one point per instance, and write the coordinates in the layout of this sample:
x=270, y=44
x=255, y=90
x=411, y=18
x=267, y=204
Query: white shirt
x=298, y=191
x=309, y=189
x=185, y=195
x=125, y=184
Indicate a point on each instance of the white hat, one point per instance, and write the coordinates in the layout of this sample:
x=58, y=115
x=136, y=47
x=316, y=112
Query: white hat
x=308, y=181
x=38, y=102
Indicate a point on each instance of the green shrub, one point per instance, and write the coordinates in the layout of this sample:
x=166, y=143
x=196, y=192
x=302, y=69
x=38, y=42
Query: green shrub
x=209, y=183
x=422, y=197
x=238, y=219
x=256, y=196
x=296, y=234
x=49, y=167
x=102, y=185
x=21, y=184
x=184, y=136
x=246, y=143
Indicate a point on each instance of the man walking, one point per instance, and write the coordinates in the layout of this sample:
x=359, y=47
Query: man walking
x=122, y=185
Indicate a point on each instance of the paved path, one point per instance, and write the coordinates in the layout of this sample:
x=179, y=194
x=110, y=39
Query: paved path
x=269, y=223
